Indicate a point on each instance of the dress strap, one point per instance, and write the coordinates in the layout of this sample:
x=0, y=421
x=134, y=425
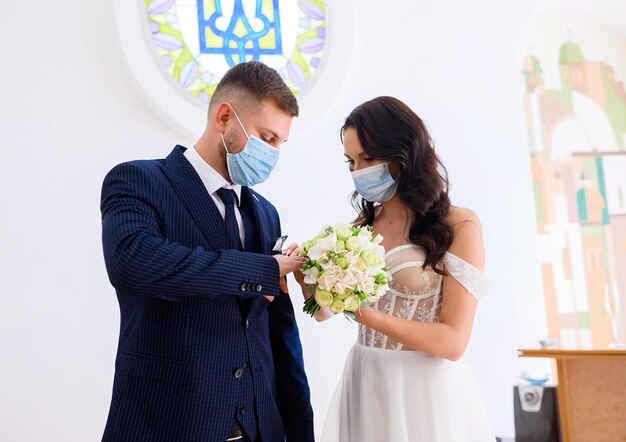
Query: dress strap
x=399, y=248
x=473, y=279
x=405, y=265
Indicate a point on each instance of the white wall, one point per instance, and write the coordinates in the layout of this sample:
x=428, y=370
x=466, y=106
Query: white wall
x=69, y=111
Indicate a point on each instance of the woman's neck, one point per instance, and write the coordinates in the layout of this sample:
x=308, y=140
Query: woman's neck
x=394, y=212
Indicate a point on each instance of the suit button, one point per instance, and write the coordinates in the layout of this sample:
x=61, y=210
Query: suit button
x=239, y=373
x=259, y=288
x=247, y=323
x=243, y=287
x=242, y=411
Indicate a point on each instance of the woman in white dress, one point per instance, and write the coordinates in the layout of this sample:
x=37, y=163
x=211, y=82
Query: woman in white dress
x=405, y=379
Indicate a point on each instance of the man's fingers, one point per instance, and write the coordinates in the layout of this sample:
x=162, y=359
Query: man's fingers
x=289, y=264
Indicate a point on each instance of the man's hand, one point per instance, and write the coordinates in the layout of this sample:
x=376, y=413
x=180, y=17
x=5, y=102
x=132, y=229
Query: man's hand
x=288, y=264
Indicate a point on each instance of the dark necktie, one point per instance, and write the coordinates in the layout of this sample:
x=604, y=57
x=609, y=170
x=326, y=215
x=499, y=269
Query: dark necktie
x=229, y=198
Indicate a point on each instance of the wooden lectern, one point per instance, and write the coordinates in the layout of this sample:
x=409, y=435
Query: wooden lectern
x=591, y=392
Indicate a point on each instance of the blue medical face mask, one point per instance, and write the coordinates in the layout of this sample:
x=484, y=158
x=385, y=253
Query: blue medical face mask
x=254, y=163
x=375, y=183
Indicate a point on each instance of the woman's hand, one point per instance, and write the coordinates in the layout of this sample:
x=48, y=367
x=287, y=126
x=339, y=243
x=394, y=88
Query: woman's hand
x=299, y=277
x=365, y=315
x=293, y=250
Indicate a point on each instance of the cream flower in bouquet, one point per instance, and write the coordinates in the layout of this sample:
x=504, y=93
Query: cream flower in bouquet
x=346, y=269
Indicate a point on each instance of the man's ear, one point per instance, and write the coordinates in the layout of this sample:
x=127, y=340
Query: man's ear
x=222, y=116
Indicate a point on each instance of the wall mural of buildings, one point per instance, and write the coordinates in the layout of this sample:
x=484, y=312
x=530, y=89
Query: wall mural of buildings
x=575, y=109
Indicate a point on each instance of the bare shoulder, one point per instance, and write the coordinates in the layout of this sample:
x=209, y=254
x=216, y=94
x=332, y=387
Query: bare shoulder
x=468, y=236
x=462, y=217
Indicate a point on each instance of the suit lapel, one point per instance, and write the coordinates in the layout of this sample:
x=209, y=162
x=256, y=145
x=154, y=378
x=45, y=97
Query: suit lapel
x=259, y=219
x=194, y=196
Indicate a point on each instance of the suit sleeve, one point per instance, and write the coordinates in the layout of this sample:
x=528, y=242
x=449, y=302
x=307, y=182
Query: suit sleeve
x=141, y=261
x=293, y=394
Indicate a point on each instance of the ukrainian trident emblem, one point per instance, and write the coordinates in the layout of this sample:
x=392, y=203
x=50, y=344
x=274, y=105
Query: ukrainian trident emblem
x=240, y=35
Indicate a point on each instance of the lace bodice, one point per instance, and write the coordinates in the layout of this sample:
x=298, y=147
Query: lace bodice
x=415, y=293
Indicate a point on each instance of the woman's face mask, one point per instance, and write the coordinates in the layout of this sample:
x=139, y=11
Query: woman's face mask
x=375, y=183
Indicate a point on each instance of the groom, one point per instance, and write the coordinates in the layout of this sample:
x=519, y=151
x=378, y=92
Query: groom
x=209, y=348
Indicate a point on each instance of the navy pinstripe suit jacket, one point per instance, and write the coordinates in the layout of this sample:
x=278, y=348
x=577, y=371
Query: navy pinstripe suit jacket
x=190, y=362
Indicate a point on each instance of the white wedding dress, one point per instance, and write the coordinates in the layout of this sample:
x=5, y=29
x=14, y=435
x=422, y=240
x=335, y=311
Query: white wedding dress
x=391, y=393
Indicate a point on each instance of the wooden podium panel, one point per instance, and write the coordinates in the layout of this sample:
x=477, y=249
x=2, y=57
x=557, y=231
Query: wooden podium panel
x=591, y=392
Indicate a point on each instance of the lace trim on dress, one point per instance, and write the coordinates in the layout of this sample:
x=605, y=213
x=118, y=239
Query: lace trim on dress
x=474, y=280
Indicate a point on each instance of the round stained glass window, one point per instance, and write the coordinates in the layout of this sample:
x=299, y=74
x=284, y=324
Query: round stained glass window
x=196, y=41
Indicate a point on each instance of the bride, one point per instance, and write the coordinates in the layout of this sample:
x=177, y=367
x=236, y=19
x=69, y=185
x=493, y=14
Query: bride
x=405, y=379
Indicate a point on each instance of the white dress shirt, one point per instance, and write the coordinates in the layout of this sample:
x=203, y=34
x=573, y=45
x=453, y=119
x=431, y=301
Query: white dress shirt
x=213, y=181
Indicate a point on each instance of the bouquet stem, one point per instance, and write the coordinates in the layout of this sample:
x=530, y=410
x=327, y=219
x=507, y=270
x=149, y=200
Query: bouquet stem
x=311, y=306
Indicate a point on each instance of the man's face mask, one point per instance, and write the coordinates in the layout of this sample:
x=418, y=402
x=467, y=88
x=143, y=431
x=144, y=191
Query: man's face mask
x=254, y=163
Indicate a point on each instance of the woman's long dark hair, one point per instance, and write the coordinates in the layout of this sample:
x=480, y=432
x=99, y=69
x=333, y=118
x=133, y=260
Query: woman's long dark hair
x=389, y=130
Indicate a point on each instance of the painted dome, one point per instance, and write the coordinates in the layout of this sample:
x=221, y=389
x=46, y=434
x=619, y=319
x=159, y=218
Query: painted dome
x=531, y=64
x=570, y=53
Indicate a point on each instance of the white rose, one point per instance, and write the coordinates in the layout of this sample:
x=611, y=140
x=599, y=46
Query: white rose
x=321, y=247
x=343, y=232
x=311, y=275
x=329, y=278
x=365, y=236
x=336, y=306
x=323, y=298
x=326, y=263
x=343, y=295
x=359, y=264
x=366, y=285
x=351, y=303
x=353, y=243
x=370, y=258
x=348, y=277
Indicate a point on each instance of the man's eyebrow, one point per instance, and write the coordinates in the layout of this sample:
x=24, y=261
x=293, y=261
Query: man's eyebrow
x=274, y=134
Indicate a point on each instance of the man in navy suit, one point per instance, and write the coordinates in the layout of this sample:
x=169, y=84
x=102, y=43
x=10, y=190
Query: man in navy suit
x=209, y=347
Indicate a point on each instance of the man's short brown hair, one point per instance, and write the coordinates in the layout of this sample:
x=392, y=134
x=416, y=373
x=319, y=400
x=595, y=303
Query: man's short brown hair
x=260, y=82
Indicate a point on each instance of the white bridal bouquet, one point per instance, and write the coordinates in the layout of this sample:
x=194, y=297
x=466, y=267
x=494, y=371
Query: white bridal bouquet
x=346, y=269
